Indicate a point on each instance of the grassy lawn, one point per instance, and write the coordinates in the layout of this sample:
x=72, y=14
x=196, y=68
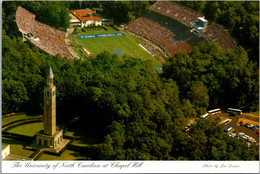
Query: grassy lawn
x=66, y=155
x=29, y=129
x=17, y=147
x=129, y=44
x=6, y=120
x=68, y=133
x=79, y=143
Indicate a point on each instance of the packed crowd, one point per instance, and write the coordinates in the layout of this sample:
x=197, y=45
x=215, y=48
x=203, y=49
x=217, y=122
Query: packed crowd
x=158, y=34
x=164, y=31
x=164, y=26
x=215, y=33
x=25, y=20
x=175, y=11
x=150, y=49
x=46, y=38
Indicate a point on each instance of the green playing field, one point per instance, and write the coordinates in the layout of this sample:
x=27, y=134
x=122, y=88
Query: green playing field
x=127, y=45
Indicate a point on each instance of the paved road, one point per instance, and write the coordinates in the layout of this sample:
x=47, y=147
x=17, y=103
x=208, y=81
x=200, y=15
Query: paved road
x=68, y=43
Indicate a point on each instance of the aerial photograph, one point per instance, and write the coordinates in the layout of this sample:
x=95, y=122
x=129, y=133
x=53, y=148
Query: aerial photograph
x=130, y=80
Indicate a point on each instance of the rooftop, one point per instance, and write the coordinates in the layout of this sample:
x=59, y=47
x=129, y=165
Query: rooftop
x=12, y=157
x=85, y=15
x=4, y=145
x=50, y=74
x=202, y=19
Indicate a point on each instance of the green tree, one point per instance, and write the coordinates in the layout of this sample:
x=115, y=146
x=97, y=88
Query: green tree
x=14, y=95
x=198, y=96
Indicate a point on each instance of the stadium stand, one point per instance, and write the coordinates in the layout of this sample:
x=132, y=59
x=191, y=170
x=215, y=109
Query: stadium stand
x=48, y=39
x=215, y=33
x=175, y=11
x=170, y=26
x=164, y=31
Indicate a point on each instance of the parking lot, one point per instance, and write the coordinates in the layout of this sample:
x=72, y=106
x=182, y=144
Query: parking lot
x=238, y=128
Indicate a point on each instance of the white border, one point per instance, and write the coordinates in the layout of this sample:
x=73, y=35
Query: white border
x=130, y=167
x=146, y=167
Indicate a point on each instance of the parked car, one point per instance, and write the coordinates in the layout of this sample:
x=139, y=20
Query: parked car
x=232, y=135
x=241, y=133
x=253, y=140
x=254, y=128
x=249, y=125
x=229, y=128
x=249, y=138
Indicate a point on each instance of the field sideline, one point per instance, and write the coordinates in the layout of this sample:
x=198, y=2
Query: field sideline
x=128, y=43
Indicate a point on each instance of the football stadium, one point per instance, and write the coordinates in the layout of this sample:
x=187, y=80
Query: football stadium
x=166, y=29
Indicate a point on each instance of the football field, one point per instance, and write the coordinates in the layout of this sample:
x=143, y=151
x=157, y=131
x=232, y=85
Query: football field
x=95, y=42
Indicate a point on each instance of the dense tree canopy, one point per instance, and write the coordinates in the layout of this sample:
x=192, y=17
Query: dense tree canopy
x=227, y=77
x=125, y=11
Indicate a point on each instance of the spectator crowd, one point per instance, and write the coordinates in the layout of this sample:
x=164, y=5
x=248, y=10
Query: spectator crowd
x=175, y=11
x=171, y=35
x=47, y=38
x=169, y=25
x=215, y=33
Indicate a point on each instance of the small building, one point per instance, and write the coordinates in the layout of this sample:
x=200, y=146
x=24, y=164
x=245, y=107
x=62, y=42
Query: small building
x=199, y=25
x=5, y=150
x=107, y=21
x=202, y=22
x=7, y=156
x=84, y=18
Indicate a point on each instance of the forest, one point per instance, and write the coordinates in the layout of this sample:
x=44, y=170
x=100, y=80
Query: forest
x=137, y=113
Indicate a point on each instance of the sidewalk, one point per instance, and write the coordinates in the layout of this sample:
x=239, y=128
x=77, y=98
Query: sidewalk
x=68, y=43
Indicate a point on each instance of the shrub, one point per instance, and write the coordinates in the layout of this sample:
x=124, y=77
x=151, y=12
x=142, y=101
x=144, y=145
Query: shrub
x=104, y=28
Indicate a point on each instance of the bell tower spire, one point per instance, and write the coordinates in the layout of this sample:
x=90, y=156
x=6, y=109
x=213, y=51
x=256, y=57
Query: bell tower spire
x=50, y=77
x=49, y=118
x=50, y=136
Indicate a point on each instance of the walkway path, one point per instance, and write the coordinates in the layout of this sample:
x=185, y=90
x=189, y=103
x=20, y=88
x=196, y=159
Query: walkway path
x=251, y=115
x=35, y=156
x=9, y=115
x=68, y=43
